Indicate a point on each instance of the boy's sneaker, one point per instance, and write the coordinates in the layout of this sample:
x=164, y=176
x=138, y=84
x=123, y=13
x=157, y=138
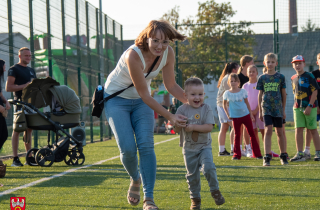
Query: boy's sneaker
x=307, y=156
x=16, y=163
x=249, y=153
x=218, y=198
x=298, y=157
x=284, y=159
x=224, y=153
x=235, y=158
x=259, y=158
x=195, y=203
x=317, y=156
x=266, y=160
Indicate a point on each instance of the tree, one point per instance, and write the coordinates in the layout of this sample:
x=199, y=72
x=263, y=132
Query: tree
x=208, y=42
x=309, y=27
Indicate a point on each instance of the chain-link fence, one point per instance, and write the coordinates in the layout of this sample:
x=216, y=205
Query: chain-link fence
x=299, y=34
x=64, y=39
x=210, y=46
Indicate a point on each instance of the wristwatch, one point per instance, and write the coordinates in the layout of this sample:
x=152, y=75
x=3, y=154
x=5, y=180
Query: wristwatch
x=310, y=105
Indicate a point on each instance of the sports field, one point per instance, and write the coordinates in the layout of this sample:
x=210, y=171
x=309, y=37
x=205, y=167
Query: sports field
x=102, y=183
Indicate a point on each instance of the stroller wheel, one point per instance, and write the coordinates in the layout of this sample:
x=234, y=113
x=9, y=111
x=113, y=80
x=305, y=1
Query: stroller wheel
x=45, y=157
x=32, y=160
x=79, y=159
x=71, y=154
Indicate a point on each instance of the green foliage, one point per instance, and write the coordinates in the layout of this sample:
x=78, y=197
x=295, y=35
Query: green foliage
x=212, y=41
x=309, y=27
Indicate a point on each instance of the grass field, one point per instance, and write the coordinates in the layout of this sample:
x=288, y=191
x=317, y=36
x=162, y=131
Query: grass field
x=245, y=184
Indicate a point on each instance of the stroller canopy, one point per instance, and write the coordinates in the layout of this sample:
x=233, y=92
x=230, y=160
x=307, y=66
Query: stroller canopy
x=68, y=98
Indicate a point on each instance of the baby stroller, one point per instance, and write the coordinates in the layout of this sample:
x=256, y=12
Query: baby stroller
x=65, y=113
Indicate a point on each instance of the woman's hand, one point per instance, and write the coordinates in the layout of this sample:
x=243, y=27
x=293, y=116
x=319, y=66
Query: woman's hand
x=178, y=120
x=8, y=106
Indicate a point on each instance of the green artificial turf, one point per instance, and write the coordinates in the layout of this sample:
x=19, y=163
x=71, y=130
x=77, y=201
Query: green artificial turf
x=245, y=184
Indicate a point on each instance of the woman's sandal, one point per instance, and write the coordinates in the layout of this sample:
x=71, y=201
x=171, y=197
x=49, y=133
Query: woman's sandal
x=134, y=189
x=149, y=204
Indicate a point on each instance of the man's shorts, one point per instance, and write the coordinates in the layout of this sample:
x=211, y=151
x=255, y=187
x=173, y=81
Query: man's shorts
x=223, y=118
x=161, y=121
x=275, y=121
x=257, y=122
x=305, y=121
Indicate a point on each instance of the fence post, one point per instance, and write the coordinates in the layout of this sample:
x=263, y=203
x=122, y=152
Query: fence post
x=10, y=33
x=177, y=67
x=49, y=38
x=89, y=67
x=78, y=55
x=35, y=134
x=64, y=51
x=114, y=41
x=274, y=26
x=107, y=58
x=278, y=47
x=99, y=63
x=226, y=39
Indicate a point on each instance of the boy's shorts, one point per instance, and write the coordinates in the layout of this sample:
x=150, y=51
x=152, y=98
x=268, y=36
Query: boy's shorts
x=223, y=118
x=305, y=121
x=275, y=121
x=318, y=117
x=257, y=122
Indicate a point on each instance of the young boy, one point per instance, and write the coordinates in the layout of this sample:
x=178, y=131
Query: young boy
x=196, y=141
x=272, y=103
x=305, y=89
x=316, y=74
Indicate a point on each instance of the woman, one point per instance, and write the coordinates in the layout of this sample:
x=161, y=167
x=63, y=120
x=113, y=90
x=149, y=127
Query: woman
x=224, y=120
x=3, y=100
x=131, y=112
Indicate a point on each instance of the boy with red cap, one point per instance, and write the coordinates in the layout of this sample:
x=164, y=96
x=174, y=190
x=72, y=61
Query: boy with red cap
x=305, y=89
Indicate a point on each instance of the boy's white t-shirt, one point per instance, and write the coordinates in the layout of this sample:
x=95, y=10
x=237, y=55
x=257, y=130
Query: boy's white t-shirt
x=195, y=141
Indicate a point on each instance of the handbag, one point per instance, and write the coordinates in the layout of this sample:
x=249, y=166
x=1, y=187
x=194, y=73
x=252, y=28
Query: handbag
x=98, y=100
x=19, y=121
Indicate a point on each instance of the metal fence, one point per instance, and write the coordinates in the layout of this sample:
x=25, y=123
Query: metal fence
x=64, y=39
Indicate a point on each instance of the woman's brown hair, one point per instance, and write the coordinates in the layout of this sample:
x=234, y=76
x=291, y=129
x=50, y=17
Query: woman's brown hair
x=243, y=61
x=227, y=70
x=157, y=25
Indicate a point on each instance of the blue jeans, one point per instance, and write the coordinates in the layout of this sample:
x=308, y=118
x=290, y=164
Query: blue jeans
x=132, y=122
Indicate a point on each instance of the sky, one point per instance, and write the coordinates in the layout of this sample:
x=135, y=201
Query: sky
x=135, y=15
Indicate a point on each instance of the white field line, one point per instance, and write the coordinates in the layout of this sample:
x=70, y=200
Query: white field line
x=66, y=172
x=183, y=169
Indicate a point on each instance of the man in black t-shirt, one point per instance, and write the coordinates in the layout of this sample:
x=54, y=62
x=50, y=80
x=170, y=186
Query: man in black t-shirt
x=19, y=76
x=172, y=108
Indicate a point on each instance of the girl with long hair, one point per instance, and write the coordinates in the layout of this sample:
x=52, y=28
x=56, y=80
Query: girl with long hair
x=224, y=121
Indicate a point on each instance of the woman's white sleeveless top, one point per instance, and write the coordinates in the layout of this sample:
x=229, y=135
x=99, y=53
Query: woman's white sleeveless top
x=120, y=78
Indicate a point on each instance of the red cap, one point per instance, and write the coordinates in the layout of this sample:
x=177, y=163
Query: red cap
x=297, y=58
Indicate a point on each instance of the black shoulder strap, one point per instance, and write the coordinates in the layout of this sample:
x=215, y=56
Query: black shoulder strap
x=120, y=91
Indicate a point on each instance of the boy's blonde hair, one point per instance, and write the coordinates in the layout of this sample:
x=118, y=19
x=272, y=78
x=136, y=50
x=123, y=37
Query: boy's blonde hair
x=236, y=78
x=192, y=81
x=253, y=66
x=271, y=56
x=243, y=61
x=318, y=56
